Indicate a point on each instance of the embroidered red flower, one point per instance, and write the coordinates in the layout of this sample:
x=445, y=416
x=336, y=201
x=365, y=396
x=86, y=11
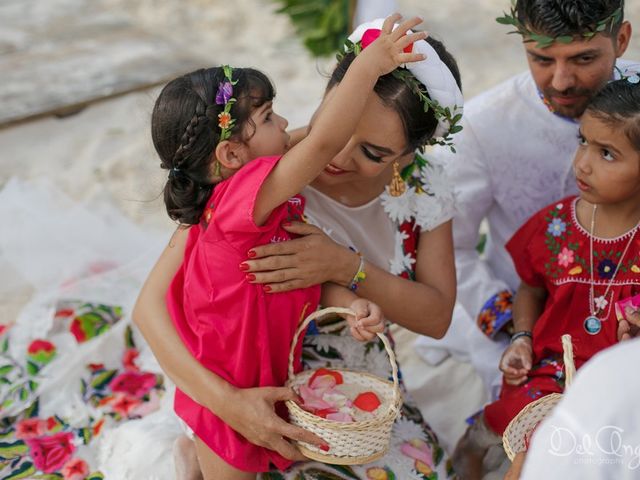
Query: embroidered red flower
x=41, y=351
x=50, y=453
x=372, y=33
x=124, y=404
x=133, y=383
x=75, y=469
x=76, y=329
x=129, y=359
x=30, y=428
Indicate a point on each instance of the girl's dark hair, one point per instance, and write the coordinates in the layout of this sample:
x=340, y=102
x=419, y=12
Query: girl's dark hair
x=419, y=126
x=568, y=17
x=185, y=132
x=618, y=105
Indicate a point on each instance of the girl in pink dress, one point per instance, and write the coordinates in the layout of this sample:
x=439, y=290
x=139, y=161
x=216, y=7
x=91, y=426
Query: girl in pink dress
x=576, y=258
x=234, y=182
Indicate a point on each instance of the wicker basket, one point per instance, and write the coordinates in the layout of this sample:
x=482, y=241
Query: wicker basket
x=350, y=443
x=522, y=425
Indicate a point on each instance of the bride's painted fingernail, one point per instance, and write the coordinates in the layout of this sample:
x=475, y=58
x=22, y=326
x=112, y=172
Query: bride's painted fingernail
x=266, y=288
x=325, y=448
x=244, y=267
x=251, y=277
x=251, y=253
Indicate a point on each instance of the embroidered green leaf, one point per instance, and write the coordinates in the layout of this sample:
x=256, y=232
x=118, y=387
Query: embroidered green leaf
x=346, y=470
x=321, y=474
x=33, y=409
x=32, y=368
x=438, y=454
x=24, y=394
x=5, y=345
x=26, y=470
x=85, y=433
x=49, y=476
x=5, y=370
x=271, y=476
x=7, y=403
x=128, y=337
x=97, y=476
x=103, y=378
x=12, y=450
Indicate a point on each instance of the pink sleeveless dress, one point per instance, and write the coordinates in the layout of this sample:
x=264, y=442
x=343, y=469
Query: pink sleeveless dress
x=233, y=327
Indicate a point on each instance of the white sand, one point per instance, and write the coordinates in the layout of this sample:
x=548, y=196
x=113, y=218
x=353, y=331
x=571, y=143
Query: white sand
x=105, y=150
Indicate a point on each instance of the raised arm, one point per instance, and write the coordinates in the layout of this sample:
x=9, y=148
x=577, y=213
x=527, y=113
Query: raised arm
x=248, y=411
x=339, y=116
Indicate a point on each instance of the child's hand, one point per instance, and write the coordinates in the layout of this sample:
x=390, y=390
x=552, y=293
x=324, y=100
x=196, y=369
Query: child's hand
x=516, y=361
x=368, y=320
x=386, y=53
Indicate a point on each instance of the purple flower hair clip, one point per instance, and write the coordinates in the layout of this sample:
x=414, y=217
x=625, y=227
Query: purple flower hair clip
x=224, y=96
x=225, y=92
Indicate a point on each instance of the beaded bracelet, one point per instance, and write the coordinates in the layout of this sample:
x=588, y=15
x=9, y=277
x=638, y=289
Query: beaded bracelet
x=523, y=333
x=360, y=274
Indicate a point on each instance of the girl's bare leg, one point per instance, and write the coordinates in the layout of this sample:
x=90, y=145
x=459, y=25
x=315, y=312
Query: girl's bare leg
x=214, y=468
x=185, y=459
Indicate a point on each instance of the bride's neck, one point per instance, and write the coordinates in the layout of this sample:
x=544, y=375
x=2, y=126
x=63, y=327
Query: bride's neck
x=354, y=193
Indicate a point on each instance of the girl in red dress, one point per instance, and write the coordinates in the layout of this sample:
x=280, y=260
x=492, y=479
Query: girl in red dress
x=234, y=181
x=576, y=258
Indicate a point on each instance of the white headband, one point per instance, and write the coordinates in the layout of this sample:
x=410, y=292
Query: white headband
x=431, y=72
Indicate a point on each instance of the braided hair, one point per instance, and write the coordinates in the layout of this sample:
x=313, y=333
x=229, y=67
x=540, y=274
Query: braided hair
x=185, y=132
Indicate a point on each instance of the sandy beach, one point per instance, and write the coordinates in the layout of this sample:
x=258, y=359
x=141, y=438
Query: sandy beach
x=102, y=155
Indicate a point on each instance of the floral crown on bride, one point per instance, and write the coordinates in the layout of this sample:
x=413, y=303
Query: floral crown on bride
x=430, y=80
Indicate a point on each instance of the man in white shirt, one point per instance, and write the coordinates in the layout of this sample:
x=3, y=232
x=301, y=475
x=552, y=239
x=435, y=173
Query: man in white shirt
x=514, y=157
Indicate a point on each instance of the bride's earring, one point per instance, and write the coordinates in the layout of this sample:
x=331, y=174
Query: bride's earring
x=397, y=186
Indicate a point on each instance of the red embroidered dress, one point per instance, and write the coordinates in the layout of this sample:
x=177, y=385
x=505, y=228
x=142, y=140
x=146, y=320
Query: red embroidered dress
x=552, y=251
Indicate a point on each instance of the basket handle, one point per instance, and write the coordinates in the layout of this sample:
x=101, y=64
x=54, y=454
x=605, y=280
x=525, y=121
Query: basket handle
x=569, y=365
x=346, y=311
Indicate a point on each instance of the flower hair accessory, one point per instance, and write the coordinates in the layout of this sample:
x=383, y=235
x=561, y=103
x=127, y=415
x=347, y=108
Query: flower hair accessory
x=430, y=80
x=225, y=97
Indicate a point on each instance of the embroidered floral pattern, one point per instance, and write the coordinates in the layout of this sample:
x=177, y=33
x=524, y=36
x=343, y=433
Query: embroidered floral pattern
x=495, y=314
x=557, y=227
x=564, y=246
x=566, y=257
x=86, y=320
x=53, y=447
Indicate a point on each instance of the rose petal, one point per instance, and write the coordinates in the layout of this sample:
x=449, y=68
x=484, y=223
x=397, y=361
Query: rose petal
x=367, y=401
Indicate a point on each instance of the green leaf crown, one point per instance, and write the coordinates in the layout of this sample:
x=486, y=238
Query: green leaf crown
x=440, y=113
x=543, y=41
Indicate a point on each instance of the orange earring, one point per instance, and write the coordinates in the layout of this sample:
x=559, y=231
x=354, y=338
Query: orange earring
x=397, y=186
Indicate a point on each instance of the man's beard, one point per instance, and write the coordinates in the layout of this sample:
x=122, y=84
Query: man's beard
x=574, y=110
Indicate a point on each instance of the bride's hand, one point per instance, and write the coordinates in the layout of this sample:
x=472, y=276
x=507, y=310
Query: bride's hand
x=251, y=413
x=309, y=260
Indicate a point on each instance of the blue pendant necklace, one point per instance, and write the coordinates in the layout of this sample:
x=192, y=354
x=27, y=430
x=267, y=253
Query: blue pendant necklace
x=593, y=324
